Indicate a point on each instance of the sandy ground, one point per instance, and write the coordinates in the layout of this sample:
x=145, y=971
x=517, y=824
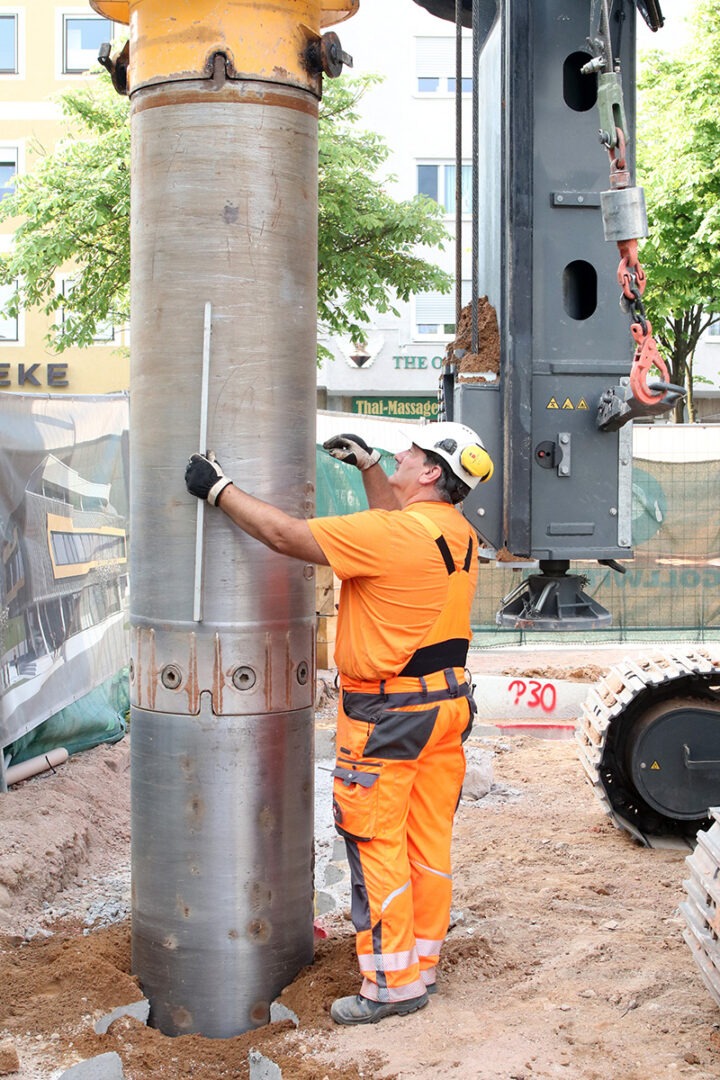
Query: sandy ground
x=566, y=957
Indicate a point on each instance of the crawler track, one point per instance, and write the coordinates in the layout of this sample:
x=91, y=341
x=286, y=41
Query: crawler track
x=701, y=910
x=628, y=706
x=662, y=713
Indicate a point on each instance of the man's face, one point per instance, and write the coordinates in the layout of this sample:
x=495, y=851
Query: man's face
x=412, y=472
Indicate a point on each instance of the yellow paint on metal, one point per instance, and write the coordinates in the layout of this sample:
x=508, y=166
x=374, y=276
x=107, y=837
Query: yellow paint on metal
x=262, y=39
x=117, y=10
x=335, y=11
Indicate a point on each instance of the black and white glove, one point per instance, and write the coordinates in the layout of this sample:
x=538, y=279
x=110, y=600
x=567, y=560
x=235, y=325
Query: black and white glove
x=352, y=450
x=204, y=478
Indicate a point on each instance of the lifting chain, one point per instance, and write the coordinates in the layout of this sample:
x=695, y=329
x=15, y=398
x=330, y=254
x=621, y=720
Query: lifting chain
x=632, y=280
x=624, y=218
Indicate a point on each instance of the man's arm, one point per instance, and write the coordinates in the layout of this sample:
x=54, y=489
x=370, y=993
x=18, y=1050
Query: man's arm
x=279, y=531
x=353, y=450
x=273, y=527
x=380, y=495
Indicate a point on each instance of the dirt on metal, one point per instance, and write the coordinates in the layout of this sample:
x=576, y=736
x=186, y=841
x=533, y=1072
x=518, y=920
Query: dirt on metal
x=484, y=362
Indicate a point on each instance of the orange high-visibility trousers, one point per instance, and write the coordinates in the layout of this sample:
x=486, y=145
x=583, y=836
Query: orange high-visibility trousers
x=397, y=783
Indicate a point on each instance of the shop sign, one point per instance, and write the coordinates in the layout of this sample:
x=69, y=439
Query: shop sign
x=400, y=408
x=33, y=376
x=417, y=363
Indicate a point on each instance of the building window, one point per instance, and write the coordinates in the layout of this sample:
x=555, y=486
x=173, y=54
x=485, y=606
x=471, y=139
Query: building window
x=104, y=331
x=427, y=181
x=82, y=37
x=435, y=314
x=8, y=170
x=87, y=548
x=713, y=331
x=9, y=331
x=438, y=183
x=436, y=65
x=8, y=44
x=465, y=85
x=443, y=86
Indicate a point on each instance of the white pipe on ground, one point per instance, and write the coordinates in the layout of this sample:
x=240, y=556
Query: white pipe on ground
x=521, y=697
x=15, y=773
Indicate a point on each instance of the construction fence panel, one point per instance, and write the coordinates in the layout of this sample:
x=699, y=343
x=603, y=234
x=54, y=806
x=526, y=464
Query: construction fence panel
x=64, y=639
x=671, y=586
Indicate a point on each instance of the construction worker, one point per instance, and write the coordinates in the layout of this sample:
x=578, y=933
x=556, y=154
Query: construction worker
x=408, y=570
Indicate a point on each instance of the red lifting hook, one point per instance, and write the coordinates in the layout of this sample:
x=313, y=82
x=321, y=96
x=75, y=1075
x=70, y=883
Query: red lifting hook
x=646, y=356
x=629, y=274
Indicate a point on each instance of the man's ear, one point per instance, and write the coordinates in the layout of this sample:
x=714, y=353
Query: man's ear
x=430, y=474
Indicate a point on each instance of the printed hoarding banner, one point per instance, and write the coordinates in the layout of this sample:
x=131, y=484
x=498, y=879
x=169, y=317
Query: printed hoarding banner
x=64, y=580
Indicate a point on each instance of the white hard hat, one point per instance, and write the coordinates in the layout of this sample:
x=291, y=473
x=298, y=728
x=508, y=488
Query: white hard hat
x=458, y=445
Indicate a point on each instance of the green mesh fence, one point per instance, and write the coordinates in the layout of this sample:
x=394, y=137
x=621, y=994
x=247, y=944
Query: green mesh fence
x=671, y=587
x=340, y=489
x=98, y=717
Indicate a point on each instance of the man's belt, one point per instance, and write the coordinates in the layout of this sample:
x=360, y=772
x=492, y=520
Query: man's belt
x=443, y=654
x=397, y=699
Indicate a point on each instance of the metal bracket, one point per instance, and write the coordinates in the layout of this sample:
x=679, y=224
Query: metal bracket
x=565, y=442
x=116, y=65
x=325, y=54
x=618, y=407
x=696, y=763
x=575, y=199
x=555, y=455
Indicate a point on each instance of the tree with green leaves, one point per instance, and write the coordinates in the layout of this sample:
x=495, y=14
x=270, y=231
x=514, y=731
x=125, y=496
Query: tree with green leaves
x=73, y=211
x=679, y=167
x=368, y=241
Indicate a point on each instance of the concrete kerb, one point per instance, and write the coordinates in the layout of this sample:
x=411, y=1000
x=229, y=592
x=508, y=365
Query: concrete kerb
x=263, y=1068
x=139, y=1010
x=102, y=1067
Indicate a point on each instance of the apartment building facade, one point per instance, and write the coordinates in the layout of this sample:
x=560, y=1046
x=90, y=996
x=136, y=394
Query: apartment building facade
x=397, y=369
x=46, y=49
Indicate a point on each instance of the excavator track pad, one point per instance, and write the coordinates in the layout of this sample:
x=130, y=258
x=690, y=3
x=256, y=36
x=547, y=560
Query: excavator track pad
x=649, y=741
x=701, y=910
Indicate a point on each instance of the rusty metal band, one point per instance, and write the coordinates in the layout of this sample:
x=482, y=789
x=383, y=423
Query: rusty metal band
x=204, y=91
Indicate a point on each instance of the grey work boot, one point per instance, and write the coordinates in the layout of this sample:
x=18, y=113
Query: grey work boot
x=361, y=1010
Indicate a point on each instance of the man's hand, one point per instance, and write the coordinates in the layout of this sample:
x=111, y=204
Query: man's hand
x=352, y=450
x=204, y=478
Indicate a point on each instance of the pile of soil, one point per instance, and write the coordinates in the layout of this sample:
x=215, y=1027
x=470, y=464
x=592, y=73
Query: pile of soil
x=588, y=673
x=487, y=358
x=565, y=958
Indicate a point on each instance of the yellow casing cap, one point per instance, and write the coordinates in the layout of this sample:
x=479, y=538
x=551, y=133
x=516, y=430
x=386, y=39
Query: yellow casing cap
x=262, y=39
x=477, y=461
x=117, y=10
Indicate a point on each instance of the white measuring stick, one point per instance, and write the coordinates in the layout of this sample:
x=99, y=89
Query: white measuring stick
x=200, y=521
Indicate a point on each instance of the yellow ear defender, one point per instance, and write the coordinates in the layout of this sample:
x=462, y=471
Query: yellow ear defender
x=476, y=460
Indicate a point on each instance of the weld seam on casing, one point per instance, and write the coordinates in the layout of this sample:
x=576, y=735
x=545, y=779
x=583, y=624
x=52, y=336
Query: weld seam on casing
x=246, y=92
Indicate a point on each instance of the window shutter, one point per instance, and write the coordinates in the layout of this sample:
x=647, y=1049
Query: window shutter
x=435, y=307
x=435, y=56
